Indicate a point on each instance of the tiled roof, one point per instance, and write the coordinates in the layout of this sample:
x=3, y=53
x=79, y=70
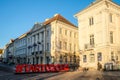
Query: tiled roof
x=59, y=18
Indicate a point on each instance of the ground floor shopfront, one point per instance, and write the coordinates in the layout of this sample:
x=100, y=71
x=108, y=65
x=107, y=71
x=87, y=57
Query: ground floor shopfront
x=20, y=59
x=100, y=56
x=53, y=58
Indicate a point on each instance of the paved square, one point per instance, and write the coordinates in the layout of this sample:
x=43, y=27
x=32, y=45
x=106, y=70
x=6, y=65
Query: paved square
x=76, y=75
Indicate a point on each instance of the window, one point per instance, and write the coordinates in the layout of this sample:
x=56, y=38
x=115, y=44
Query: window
x=42, y=47
x=74, y=47
x=47, y=46
x=34, y=38
x=92, y=58
x=91, y=21
x=38, y=48
x=84, y=58
x=112, y=56
x=111, y=17
x=111, y=37
x=66, y=60
x=42, y=33
x=33, y=60
x=70, y=46
x=65, y=45
x=37, y=60
x=99, y=56
x=92, y=40
x=47, y=59
x=38, y=36
x=74, y=35
x=70, y=33
x=47, y=32
x=60, y=30
x=41, y=60
x=60, y=45
x=117, y=58
x=65, y=32
x=28, y=40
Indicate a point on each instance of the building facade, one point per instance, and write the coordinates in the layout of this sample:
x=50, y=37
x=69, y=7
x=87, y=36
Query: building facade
x=20, y=49
x=1, y=53
x=53, y=41
x=10, y=52
x=99, y=31
x=36, y=41
x=4, y=55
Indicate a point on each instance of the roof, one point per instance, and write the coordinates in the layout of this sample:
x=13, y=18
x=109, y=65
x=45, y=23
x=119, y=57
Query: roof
x=95, y=3
x=59, y=18
x=23, y=35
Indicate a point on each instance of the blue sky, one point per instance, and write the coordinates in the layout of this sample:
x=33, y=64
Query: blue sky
x=18, y=16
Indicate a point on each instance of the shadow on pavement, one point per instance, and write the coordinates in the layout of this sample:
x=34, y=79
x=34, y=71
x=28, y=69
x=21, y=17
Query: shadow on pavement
x=6, y=67
x=110, y=75
x=59, y=73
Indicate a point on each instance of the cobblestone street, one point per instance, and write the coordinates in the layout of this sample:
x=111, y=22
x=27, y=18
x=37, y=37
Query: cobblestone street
x=76, y=75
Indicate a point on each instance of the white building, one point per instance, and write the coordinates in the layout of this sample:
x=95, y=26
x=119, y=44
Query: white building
x=53, y=41
x=99, y=31
x=20, y=49
x=36, y=44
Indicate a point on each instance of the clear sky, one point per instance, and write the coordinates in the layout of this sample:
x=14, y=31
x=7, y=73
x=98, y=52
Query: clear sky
x=18, y=16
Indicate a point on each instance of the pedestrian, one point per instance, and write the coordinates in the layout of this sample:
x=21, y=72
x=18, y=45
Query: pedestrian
x=99, y=66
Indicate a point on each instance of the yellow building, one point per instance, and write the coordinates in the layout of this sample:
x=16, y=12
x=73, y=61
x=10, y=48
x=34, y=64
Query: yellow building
x=1, y=51
x=99, y=33
x=64, y=40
